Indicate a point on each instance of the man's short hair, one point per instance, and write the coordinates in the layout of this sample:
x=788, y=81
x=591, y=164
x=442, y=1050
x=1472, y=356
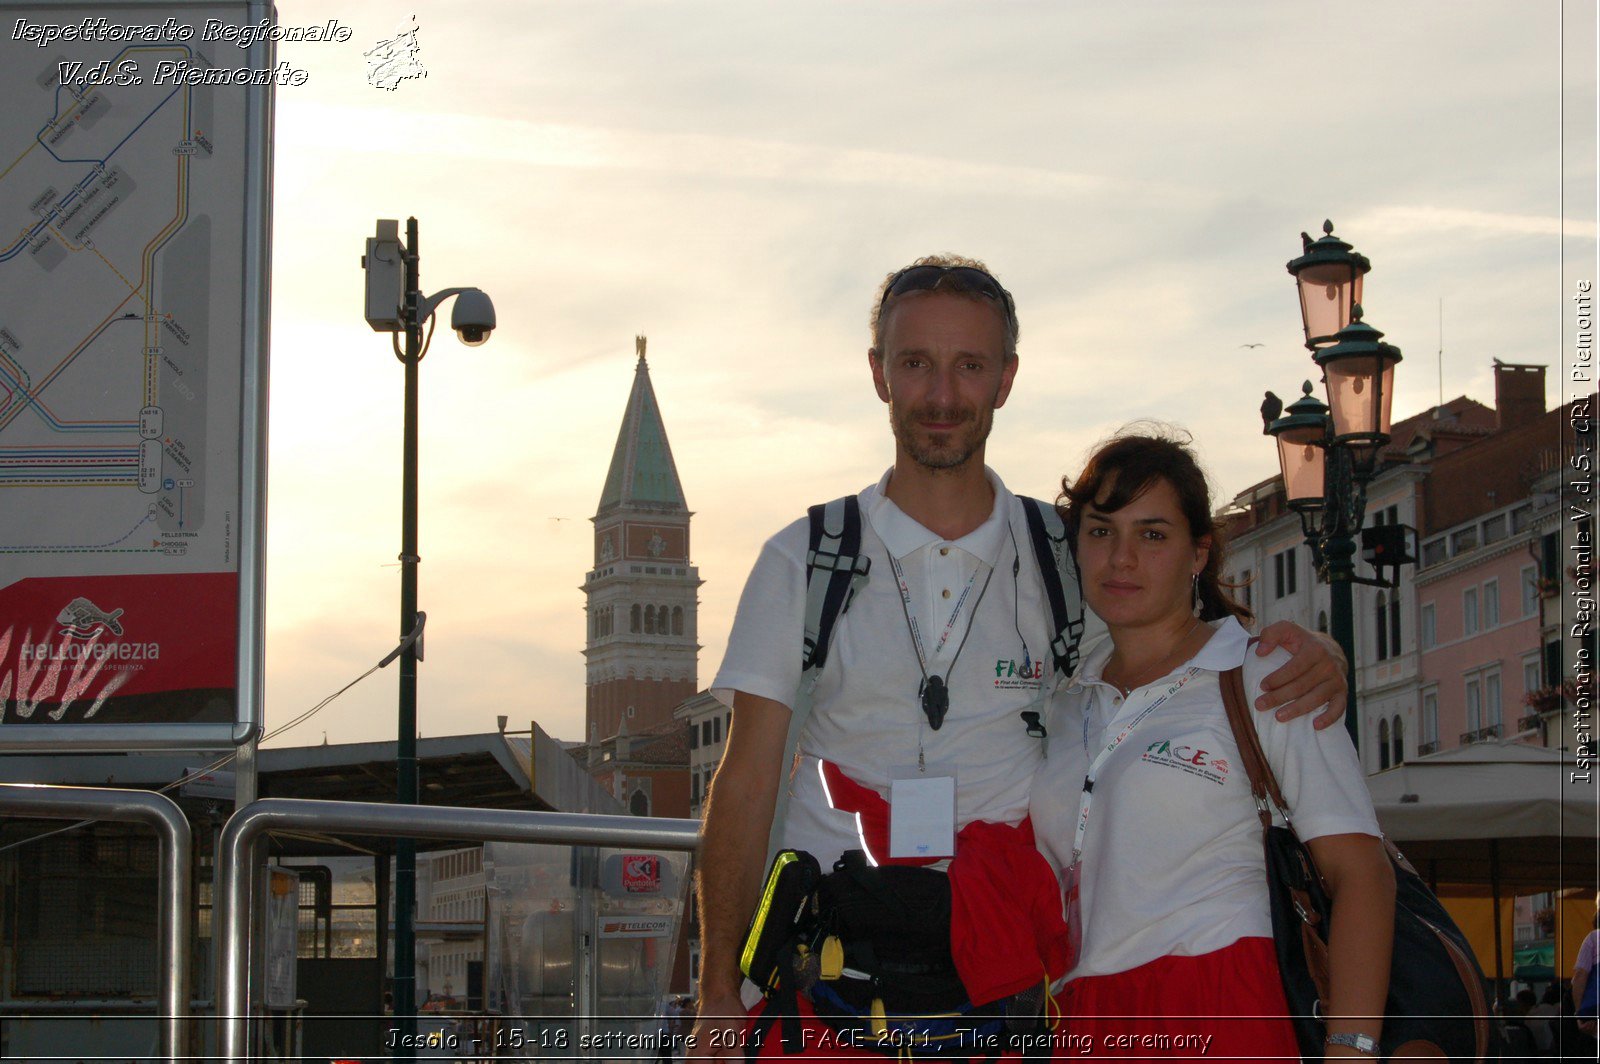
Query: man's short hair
x=884, y=302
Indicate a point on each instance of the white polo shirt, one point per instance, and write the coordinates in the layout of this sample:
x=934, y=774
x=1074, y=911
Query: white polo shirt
x=866, y=716
x=1172, y=859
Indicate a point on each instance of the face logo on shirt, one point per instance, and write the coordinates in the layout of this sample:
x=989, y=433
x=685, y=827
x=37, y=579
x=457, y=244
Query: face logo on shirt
x=1011, y=675
x=1191, y=759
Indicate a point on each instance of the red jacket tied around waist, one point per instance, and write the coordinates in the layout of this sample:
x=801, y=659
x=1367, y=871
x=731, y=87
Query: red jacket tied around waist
x=1006, y=929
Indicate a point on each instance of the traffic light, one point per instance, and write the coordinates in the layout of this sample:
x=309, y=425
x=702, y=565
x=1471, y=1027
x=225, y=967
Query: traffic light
x=1388, y=546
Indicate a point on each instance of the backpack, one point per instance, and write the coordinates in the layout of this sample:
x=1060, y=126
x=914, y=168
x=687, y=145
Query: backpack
x=836, y=569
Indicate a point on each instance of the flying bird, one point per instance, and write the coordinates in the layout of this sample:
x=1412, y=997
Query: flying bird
x=1252, y=345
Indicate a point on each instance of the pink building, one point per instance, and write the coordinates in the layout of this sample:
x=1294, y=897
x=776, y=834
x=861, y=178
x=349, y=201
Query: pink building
x=1481, y=631
x=1492, y=650
x=1451, y=654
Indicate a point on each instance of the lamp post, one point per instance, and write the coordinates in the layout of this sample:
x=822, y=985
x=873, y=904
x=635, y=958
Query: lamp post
x=395, y=304
x=1329, y=453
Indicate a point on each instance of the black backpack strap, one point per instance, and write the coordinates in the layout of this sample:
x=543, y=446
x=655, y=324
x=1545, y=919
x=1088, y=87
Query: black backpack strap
x=1059, y=568
x=835, y=570
x=783, y=1011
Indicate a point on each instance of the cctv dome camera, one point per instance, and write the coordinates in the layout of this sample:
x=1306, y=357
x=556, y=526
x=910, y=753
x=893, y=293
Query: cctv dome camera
x=473, y=317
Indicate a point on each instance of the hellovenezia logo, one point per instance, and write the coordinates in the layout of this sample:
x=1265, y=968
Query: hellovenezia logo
x=71, y=645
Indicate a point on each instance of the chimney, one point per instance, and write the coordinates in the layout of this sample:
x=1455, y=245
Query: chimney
x=1518, y=394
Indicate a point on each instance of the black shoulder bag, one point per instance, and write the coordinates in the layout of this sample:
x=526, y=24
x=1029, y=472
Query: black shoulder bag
x=1436, y=1005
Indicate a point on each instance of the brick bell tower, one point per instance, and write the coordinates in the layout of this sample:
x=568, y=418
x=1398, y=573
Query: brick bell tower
x=642, y=651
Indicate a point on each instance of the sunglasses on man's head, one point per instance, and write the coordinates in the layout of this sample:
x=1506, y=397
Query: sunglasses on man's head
x=956, y=278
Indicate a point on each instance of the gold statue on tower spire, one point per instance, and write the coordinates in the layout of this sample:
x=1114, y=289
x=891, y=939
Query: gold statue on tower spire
x=638, y=343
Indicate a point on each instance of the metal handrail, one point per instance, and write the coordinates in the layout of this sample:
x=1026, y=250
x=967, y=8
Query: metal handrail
x=246, y=826
x=162, y=814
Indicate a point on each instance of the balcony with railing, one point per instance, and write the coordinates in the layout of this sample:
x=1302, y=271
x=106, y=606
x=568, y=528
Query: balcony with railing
x=1424, y=749
x=1482, y=735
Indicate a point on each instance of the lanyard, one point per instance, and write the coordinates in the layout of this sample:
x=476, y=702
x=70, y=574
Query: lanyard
x=950, y=625
x=1100, y=759
x=933, y=692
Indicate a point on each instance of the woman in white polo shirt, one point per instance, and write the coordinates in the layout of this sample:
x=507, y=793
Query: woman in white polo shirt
x=1161, y=856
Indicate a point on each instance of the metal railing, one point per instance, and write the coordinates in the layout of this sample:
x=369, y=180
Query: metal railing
x=234, y=863
x=1482, y=735
x=162, y=814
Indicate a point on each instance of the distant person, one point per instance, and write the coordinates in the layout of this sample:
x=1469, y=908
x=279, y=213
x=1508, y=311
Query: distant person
x=671, y=1017
x=1520, y=1043
x=1583, y=972
x=1541, y=1014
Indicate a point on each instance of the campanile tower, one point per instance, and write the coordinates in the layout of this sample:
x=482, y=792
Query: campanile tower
x=641, y=596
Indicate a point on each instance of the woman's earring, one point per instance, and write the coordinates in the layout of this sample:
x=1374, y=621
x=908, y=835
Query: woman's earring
x=1196, y=581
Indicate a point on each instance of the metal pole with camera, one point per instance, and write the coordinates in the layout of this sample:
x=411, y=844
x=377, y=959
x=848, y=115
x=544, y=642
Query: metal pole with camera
x=395, y=304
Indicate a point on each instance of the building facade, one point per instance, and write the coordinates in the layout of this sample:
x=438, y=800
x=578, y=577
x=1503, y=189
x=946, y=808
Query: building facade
x=705, y=721
x=1496, y=547
x=1470, y=637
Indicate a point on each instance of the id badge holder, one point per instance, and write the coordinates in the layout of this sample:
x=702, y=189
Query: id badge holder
x=1072, y=910
x=922, y=812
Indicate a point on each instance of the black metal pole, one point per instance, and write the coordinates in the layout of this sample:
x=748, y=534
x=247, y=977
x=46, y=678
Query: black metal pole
x=405, y=853
x=1343, y=508
x=1340, y=552
x=1494, y=898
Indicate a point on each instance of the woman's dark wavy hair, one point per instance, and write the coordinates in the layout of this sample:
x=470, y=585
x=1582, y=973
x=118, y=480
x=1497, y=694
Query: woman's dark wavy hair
x=1132, y=461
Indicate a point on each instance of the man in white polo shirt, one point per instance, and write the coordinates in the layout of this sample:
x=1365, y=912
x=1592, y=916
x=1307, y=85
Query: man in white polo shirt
x=955, y=603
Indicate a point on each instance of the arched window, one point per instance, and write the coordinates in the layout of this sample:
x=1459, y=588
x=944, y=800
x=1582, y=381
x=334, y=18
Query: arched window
x=1383, y=744
x=677, y=620
x=633, y=618
x=649, y=620
x=1398, y=737
x=639, y=804
x=1394, y=626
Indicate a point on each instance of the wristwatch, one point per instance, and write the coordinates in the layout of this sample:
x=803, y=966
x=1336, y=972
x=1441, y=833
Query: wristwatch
x=1361, y=1043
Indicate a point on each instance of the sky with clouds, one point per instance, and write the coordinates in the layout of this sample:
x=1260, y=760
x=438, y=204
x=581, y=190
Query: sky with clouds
x=734, y=179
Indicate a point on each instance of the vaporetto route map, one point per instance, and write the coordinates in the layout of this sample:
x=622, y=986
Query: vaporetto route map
x=123, y=342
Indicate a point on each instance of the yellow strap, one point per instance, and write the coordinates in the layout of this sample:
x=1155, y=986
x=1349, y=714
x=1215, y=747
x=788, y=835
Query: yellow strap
x=1052, y=1011
x=832, y=957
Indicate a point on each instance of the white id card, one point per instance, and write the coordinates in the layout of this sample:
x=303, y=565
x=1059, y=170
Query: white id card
x=922, y=816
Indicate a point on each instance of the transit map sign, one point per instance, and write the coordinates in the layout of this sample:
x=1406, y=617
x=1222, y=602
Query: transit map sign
x=135, y=159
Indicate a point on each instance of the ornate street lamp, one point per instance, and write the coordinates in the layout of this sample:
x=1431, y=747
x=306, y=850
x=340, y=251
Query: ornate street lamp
x=1302, y=435
x=1328, y=453
x=1329, y=277
x=1358, y=368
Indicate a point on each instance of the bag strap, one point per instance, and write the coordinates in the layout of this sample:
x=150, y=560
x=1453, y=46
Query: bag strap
x=835, y=570
x=1059, y=568
x=1263, y=782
